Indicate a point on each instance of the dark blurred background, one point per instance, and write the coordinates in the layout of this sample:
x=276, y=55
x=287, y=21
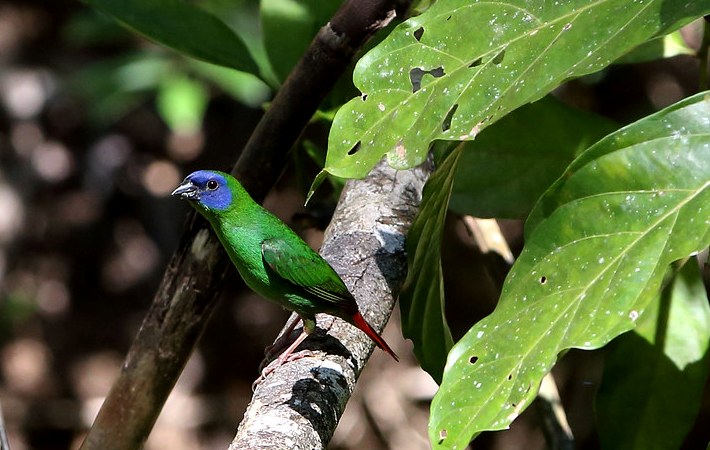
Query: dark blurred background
x=97, y=126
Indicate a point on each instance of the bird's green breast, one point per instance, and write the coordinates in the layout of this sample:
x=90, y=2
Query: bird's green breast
x=242, y=237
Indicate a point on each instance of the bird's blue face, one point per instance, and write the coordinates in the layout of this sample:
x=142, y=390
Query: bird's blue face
x=207, y=188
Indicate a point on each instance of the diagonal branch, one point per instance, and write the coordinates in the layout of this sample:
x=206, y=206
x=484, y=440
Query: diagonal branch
x=188, y=292
x=299, y=405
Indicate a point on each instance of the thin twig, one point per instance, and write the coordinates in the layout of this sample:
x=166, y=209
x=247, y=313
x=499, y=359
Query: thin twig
x=4, y=442
x=555, y=426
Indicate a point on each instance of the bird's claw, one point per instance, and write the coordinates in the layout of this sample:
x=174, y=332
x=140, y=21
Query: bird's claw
x=276, y=363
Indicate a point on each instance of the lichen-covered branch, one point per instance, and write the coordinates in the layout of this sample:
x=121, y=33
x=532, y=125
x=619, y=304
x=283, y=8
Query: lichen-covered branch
x=298, y=406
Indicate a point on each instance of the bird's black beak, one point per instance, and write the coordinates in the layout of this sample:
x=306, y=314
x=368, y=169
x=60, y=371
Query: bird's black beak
x=187, y=191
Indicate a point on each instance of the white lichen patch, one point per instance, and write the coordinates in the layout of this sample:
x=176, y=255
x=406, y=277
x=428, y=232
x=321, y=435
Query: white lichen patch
x=391, y=240
x=278, y=425
x=330, y=372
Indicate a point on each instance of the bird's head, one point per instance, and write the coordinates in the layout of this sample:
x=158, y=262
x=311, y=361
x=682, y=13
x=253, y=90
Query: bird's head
x=206, y=189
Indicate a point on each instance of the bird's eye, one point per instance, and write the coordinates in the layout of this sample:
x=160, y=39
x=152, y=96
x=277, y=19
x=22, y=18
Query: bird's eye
x=212, y=185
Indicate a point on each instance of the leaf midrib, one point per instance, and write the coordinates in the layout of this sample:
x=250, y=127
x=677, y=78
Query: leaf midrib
x=537, y=340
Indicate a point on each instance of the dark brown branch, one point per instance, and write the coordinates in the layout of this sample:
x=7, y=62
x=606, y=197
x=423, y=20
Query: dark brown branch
x=188, y=291
x=299, y=404
x=183, y=304
x=328, y=56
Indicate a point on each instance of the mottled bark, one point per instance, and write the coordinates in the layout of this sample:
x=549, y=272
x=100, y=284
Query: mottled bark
x=299, y=405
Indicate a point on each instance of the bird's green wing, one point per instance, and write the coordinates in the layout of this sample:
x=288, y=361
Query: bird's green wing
x=294, y=261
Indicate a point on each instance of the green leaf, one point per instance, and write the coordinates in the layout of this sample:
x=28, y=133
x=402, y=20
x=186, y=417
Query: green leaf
x=595, y=255
x=456, y=69
x=422, y=297
x=113, y=87
x=182, y=103
x=87, y=28
x=289, y=27
x=181, y=26
x=675, y=125
x=654, y=376
x=243, y=18
x=667, y=46
x=507, y=168
x=242, y=86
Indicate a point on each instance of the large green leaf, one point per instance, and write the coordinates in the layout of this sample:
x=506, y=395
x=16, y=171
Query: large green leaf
x=654, y=376
x=113, y=87
x=674, y=126
x=454, y=70
x=594, y=257
x=243, y=87
x=423, y=320
x=181, y=26
x=506, y=169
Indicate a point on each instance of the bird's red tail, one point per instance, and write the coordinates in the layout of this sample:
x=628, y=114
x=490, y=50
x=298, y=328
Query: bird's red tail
x=360, y=322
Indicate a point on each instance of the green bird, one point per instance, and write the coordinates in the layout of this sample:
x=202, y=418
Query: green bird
x=271, y=258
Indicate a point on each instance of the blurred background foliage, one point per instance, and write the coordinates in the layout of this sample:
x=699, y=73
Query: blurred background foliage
x=97, y=126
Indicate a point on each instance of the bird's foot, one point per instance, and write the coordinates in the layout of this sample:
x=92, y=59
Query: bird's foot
x=282, y=342
x=278, y=362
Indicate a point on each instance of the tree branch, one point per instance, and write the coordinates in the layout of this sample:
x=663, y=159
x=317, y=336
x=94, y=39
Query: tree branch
x=188, y=292
x=325, y=60
x=299, y=405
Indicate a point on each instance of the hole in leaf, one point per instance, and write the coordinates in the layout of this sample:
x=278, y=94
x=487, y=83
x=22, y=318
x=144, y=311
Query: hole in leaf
x=418, y=34
x=498, y=58
x=355, y=148
x=363, y=97
x=543, y=280
x=476, y=62
x=416, y=75
x=514, y=405
x=446, y=125
x=473, y=359
x=442, y=435
x=510, y=376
